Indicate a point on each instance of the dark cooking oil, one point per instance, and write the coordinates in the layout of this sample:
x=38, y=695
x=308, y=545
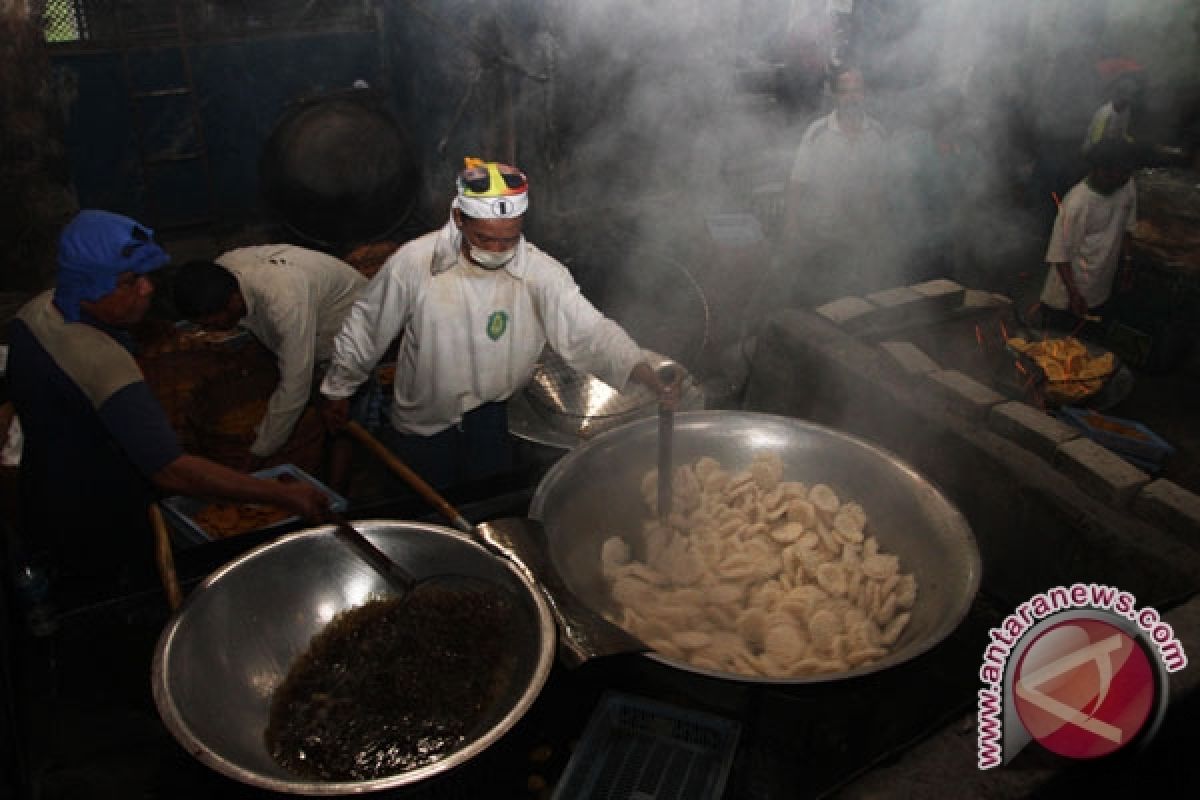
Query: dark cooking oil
x=395, y=684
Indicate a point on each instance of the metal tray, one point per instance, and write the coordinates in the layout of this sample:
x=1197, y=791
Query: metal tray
x=181, y=510
x=1140, y=443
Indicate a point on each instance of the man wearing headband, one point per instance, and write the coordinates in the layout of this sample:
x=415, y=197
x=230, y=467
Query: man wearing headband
x=474, y=304
x=98, y=446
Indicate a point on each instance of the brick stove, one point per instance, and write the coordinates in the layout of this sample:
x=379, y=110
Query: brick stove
x=902, y=368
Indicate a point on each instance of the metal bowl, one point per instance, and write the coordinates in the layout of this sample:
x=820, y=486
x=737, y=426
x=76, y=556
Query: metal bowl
x=594, y=492
x=562, y=407
x=232, y=642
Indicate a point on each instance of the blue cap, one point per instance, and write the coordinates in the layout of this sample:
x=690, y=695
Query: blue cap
x=93, y=250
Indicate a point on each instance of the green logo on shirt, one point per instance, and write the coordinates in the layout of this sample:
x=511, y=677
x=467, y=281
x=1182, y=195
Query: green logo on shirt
x=497, y=325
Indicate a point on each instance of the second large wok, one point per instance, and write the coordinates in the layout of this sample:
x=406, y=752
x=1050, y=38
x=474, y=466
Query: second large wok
x=594, y=492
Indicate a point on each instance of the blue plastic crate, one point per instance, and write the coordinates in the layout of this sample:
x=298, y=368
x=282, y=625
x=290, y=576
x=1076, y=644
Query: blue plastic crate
x=639, y=749
x=179, y=510
x=1146, y=446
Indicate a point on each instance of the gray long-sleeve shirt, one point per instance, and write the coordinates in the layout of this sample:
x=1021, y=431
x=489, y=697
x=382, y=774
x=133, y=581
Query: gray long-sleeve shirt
x=296, y=300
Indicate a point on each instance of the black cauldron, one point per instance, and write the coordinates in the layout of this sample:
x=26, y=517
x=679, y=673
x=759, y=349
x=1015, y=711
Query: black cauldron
x=339, y=170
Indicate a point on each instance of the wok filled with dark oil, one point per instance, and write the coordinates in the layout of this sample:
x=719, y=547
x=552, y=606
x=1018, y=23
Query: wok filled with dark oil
x=289, y=669
x=394, y=684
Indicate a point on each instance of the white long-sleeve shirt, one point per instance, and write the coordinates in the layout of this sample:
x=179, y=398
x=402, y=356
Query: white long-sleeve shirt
x=296, y=300
x=470, y=336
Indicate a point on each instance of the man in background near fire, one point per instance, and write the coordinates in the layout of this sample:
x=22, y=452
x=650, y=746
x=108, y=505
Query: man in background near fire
x=834, y=216
x=292, y=299
x=98, y=447
x=1111, y=120
x=474, y=304
x=1091, y=235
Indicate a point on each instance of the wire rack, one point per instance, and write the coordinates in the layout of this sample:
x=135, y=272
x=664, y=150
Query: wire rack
x=639, y=749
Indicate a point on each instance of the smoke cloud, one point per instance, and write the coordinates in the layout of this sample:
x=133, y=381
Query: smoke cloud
x=649, y=118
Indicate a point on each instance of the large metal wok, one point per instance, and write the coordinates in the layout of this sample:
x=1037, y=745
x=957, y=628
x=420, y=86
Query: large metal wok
x=594, y=492
x=233, y=640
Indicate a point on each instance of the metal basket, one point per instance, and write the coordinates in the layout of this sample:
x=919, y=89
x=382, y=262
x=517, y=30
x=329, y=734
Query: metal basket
x=561, y=407
x=558, y=389
x=638, y=749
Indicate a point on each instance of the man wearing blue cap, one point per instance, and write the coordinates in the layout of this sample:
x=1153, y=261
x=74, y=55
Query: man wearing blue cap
x=98, y=446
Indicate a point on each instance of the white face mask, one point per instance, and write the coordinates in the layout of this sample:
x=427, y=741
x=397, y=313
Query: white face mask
x=491, y=260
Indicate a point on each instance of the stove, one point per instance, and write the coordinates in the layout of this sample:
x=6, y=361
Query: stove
x=795, y=742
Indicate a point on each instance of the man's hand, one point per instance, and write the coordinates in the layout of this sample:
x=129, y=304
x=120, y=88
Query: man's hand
x=668, y=391
x=335, y=413
x=1078, y=305
x=670, y=387
x=248, y=462
x=306, y=500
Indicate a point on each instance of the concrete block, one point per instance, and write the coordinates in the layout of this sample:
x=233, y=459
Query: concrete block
x=1171, y=506
x=895, y=297
x=944, y=292
x=976, y=299
x=965, y=395
x=849, y=312
x=903, y=305
x=1031, y=428
x=1100, y=472
x=896, y=305
x=910, y=358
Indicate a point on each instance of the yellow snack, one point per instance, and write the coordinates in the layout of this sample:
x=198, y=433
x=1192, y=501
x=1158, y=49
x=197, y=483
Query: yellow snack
x=1071, y=372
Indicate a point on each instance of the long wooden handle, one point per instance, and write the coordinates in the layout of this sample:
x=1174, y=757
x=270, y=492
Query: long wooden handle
x=406, y=474
x=165, y=558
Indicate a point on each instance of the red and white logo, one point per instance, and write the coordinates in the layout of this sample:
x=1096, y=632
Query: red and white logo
x=1084, y=688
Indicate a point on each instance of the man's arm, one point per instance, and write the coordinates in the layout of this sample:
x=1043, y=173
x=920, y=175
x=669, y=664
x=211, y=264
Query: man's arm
x=374, y=320
x=668, y=392
x=1063, y=250
x=199, y=477
x=586, y=339
x=372, y=324
x=296, y=330
x=138, y=424
x=1075, y=302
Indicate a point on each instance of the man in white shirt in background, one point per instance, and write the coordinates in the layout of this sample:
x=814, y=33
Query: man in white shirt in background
x=1091, y=237
x=292, y=299
x=474, y=304
x=834, y=217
